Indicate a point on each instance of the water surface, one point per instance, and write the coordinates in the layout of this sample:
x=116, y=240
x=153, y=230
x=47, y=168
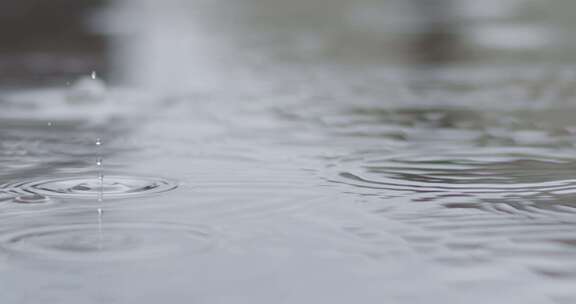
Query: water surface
x=310, y=152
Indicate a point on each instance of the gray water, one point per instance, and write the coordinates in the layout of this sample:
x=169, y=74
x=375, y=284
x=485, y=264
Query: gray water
x=298, y=152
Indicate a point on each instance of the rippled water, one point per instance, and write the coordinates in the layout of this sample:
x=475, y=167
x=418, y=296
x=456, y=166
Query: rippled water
x=109, y=242
x=112, y=187
x=262, y=158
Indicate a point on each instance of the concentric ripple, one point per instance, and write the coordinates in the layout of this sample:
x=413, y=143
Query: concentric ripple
x=473, y=171
x=113, y=187
x=109, y=241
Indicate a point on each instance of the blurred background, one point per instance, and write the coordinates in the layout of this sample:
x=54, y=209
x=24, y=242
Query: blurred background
x=144, y=41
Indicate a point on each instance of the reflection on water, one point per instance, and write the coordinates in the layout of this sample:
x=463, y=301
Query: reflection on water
x=324, y=151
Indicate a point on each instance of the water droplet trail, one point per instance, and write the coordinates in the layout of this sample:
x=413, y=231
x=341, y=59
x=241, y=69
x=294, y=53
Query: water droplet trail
x=100, y=170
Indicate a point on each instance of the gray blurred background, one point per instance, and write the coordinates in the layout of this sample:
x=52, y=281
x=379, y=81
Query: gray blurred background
x=51, y=42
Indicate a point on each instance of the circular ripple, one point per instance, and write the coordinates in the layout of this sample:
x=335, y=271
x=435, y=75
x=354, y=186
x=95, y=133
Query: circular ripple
x=110, y=241
x=31, y=199
x=114, y=187
x=474, y=171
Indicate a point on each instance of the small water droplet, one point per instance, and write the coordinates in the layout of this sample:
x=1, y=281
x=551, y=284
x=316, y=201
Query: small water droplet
x=87, y=89
x=93, y=75
x=98, y=142
x=49, y=123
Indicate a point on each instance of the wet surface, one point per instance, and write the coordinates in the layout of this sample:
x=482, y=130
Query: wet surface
x=297, y=152
x=112, y=187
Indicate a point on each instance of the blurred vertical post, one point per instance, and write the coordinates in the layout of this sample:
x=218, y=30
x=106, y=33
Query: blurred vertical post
x=437, y=40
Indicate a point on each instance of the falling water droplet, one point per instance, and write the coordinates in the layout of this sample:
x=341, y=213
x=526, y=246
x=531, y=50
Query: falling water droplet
x=49, y=123
x=93, y=75
x=100, y=170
